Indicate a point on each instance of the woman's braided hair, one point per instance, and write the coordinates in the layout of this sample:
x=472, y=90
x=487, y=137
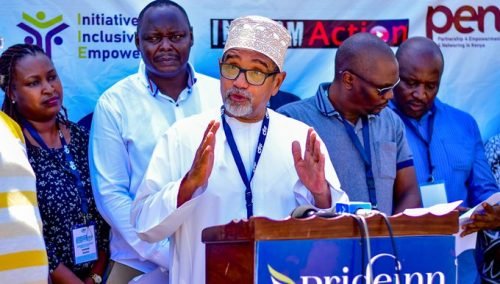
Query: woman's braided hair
x=8, y=60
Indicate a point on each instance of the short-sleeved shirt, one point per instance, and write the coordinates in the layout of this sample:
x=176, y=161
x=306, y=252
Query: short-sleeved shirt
x=59, y=199
x=388, y=146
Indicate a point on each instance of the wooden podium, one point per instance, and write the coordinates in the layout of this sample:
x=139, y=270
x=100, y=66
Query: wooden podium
x=231, y=250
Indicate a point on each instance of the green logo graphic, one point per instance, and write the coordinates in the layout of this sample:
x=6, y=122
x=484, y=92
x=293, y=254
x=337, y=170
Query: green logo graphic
x=38, y=22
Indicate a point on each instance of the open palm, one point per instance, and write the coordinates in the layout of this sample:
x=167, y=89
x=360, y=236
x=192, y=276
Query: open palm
x=311, y=167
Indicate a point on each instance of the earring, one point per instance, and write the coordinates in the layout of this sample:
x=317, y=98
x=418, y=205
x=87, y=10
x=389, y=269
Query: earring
x=13, y=102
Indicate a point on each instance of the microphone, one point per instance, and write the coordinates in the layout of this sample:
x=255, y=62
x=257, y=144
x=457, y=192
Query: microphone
x=305, y=211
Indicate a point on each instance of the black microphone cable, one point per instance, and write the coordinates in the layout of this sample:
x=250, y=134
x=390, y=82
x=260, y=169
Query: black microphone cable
x=393, y=242
x=306, y=211
x=363, y=240
x=369, y=267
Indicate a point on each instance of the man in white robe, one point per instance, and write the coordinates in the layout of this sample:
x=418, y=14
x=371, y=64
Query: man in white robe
x=190, y=185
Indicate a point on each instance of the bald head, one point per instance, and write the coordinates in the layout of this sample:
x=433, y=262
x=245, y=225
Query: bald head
x=360, y=52
x=421, y=65
x=421, y=49
x=366, y=72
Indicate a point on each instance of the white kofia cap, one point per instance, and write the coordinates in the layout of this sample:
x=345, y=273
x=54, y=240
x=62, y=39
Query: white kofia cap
x=260, y=34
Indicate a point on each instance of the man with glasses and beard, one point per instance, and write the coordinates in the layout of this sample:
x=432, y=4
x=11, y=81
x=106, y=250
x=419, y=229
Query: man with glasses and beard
x=365, y=140
x=248, y=161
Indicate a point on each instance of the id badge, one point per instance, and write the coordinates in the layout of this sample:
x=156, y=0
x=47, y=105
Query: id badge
x=433, y=193
x=84, y=243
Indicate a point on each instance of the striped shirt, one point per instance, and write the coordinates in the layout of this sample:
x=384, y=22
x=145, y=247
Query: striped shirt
x=23, y=258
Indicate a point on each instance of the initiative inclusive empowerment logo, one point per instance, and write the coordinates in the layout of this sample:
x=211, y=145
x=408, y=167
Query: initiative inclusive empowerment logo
x=37, y=25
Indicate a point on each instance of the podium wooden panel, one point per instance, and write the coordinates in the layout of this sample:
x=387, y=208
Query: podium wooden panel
x=230, y=249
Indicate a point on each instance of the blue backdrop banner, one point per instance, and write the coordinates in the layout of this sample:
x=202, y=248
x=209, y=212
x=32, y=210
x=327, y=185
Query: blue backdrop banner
x=92, y=42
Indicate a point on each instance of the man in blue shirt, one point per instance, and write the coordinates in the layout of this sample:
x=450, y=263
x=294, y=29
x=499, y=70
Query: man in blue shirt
x=446, y=143
x=365, y=140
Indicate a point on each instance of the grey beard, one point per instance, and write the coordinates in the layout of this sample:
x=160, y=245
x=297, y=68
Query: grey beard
x=235, y=109
x=238, y=110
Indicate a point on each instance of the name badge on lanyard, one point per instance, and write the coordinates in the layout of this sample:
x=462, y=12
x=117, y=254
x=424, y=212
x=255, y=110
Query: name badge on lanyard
x=433, y=193
x=84, y=243
x=239, y=162
x=365, y=153
x=83, y=235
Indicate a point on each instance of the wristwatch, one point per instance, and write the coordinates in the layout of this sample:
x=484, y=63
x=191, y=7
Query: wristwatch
x=96, y=277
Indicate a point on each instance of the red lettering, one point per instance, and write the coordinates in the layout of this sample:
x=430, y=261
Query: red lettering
x=319, y=33
x=335, y=35
x=399, y=34
x=430, y=27
x=482, y=13
x=462, y=15
x=363, y=27
x=328, y=34
x=352, y=29
x=465, y=14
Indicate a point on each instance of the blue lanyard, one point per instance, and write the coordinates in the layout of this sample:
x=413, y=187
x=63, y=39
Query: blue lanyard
x=365, y=155
x=410, y=125
x=69, y=160
x=239, y=162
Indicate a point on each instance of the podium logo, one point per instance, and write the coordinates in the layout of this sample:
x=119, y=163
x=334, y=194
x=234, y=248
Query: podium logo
x=50, y=27
x=348, y=277
x=278, y=278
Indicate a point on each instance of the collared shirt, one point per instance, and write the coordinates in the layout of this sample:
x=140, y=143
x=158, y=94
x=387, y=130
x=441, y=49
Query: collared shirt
x=422, y=125
x=457, y=155
x=127, y=121
x=20, y=223
x=389, y=148
x=154, y=90
x=276, y=187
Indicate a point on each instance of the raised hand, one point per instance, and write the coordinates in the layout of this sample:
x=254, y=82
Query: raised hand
x=311, y=169
x=487, y=219
x=202, y=165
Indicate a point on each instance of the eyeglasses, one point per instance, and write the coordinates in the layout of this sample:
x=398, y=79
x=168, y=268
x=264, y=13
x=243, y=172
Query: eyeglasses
x=253, y=77
x=381, y=91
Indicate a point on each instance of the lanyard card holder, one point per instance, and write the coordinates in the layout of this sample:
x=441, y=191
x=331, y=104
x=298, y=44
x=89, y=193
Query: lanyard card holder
x=84, y=243
x=433, y=193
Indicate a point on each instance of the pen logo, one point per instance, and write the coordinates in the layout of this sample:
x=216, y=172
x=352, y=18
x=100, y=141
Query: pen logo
x=55, y=24
x=279, y=278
